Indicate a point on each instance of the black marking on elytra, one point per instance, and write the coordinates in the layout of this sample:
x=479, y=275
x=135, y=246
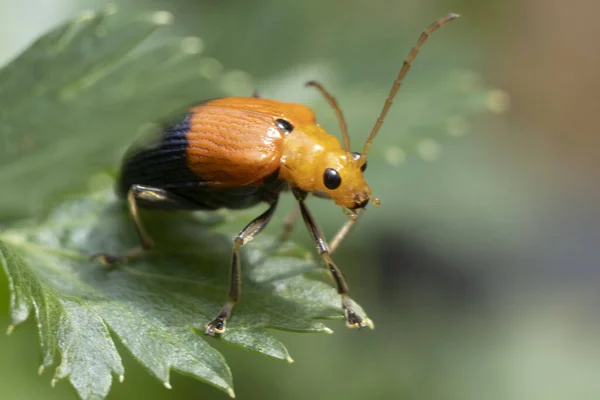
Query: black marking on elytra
x=164, y=166
x=163, y=163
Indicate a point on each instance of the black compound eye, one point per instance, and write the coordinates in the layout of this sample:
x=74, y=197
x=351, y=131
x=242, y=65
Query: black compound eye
x=284, y=125
x=356, y=157
x=332, y=179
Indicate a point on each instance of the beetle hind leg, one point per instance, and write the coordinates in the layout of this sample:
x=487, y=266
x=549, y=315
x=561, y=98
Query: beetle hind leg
x=153, y=198
x=217, y=325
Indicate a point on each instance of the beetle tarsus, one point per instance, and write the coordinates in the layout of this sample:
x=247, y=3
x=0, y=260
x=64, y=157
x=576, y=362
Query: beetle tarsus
x=353, y=320
x=108, y=260
x=216, y=326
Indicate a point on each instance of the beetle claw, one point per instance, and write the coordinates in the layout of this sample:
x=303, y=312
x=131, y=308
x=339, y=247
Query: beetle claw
x=216, y=326
x=353, y=320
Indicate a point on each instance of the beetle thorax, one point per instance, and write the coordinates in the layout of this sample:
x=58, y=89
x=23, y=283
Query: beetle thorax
x=310, y=156
x=303, y=156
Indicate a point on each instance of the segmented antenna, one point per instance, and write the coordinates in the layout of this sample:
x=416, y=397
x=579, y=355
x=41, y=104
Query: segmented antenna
x=405, y=67
x=338, y=112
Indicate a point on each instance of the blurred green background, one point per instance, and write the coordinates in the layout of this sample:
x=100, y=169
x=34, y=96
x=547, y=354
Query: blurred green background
x=479, y=269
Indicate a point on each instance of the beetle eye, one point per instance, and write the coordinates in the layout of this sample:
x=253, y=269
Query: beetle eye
x=356, y=156
x=332, y=179
x=284, y=125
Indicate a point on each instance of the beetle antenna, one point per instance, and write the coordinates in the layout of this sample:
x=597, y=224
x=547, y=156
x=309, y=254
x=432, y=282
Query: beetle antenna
x=405, y=67
x=338, y=111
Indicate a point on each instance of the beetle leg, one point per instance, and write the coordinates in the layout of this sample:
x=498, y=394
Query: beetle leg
x=150, y=196
x=353, y=320
x=217, y=325
x=340, y=235
x=289, y=222
x=135, y=192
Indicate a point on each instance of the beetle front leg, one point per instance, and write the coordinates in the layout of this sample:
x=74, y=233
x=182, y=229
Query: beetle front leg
x=340, y=235
x=290, y=221
x=353, y=320
x=217, y=325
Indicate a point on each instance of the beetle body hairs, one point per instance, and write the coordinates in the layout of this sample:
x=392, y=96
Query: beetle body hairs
x=237, y=152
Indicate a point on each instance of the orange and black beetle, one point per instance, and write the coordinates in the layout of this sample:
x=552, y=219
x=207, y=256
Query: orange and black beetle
x=237, y=152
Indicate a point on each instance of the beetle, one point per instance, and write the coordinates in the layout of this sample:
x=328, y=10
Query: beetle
x=237, y=152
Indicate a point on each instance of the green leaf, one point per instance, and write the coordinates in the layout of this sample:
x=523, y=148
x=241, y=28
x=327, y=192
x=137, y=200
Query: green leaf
x=74, y=99
x=158, y=304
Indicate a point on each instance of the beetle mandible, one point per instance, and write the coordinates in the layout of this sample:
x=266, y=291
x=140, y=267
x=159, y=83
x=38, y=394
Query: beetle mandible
x=236, y=152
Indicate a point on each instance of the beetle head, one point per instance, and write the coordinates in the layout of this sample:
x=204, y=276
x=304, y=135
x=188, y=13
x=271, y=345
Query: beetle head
x=314, y=161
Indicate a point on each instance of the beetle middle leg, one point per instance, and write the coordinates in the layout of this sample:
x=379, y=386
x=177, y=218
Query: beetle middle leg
x=151, y=197
x=289, y=222
x=353, y=320
x=217, y=325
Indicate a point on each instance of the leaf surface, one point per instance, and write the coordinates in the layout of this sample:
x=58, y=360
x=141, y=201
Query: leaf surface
x=73, y=100
x=158, y=304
